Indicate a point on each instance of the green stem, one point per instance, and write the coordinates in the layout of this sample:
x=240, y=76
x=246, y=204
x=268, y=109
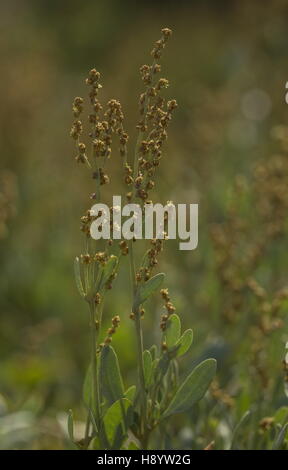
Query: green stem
x=135, y=162
x=143, y=394
x=139, y=338
x=95, y=385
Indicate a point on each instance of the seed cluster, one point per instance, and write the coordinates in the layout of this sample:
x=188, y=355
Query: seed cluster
x=141, y=312
x=266, y=423
x=155, y=115
x=169, y=308
x=150, y=260
x=115, y=323
x=106, y=123
x=101, y=131
x=220, y=394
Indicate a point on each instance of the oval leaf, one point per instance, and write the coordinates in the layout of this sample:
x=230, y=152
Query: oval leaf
x=110, y=376
x=115, y=421
x=153, y=351
x=150, y=286
x=172, y=331
x=130, y=393
x=185, y=342
x=281, y=415
x=193, y=388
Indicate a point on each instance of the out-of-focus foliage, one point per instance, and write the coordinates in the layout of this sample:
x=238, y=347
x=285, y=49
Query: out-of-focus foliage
x=227, y=150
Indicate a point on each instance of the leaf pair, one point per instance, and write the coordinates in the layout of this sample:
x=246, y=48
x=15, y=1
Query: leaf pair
x=173, y=339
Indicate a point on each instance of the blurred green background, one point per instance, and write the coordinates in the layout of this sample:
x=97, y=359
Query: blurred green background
x=227, y=66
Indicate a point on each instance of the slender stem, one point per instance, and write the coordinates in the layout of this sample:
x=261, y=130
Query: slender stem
x=132, y=268
x=96, y=408
x=143, y=395
x=135, y=162
x=139, y=338
x=95, y=385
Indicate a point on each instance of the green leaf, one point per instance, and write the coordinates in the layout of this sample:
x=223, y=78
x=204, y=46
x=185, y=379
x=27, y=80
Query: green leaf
x=78, y=277
x=281, y=415
x=184, y=342
x=87, y=387
x=108, y=269
x=238, y=428
x=130, y=393
x=172, y=331
x=110, y=376
x=70, y=425
x=147, y=363
x=162, y=364
x=93, y=420
x=115, y=421
x=153, y=351
x=280, y=438
x=193, y=388
x=149, y=287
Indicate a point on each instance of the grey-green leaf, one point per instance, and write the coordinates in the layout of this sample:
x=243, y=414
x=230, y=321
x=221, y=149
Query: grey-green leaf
x=185, y=342
x=173, y=330
x=161, y=365
x=147, y=363
x=193, y=388
x=281, y=415
x=130, y=393
x=280, y=438
x=110, y=377
x=238, y=428
x=115, y=420
x=78, y=277
x=149, y=287
x=153, y=351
